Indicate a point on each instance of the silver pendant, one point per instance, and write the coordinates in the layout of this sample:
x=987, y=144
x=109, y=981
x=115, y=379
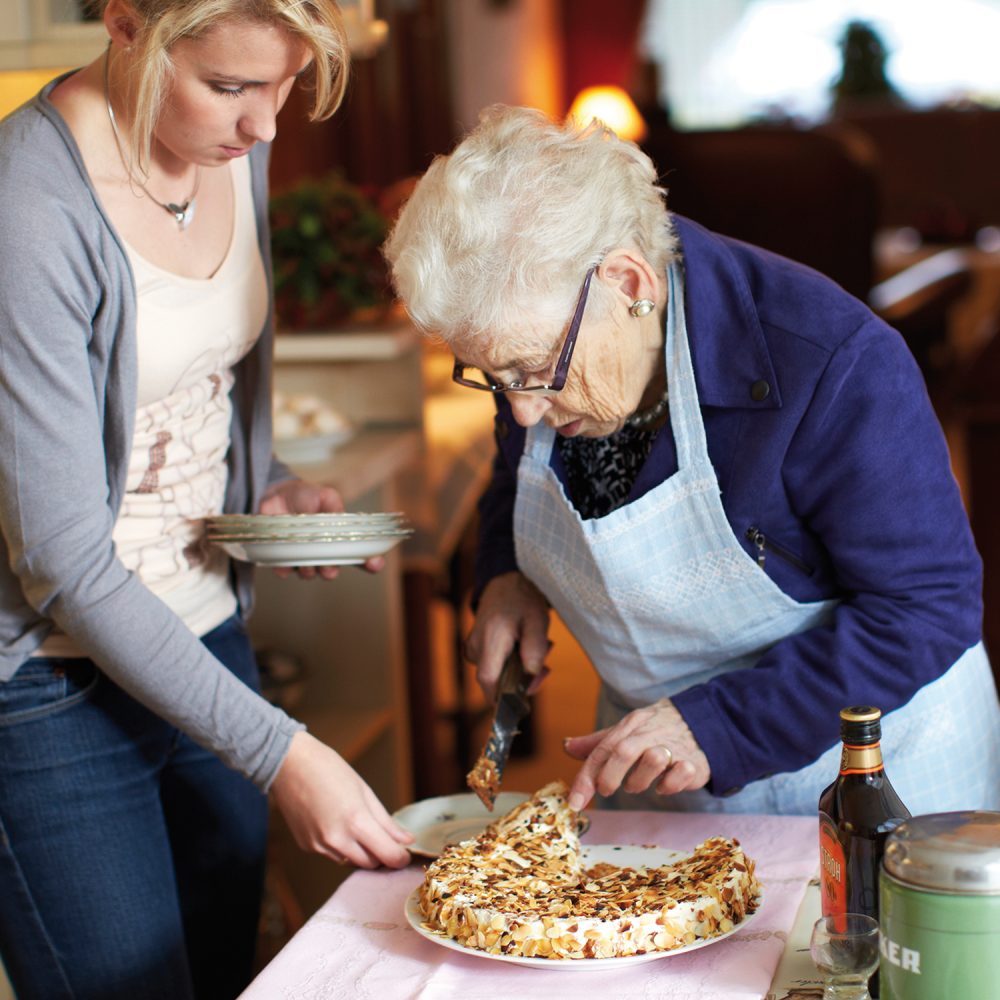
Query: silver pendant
x=183, y=214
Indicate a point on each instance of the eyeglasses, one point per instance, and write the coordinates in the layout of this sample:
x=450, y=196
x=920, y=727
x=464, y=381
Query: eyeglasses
x=475, y=378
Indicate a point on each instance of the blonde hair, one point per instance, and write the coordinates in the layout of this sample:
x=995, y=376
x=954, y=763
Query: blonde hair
x=499, y=234
x=163, y=23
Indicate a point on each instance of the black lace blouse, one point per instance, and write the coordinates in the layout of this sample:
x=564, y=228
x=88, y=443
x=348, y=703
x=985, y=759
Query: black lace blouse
x=600, y=471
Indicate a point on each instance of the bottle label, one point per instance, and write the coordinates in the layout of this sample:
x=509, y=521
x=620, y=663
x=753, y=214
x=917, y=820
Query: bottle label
x=861, y=760
x=832, y=872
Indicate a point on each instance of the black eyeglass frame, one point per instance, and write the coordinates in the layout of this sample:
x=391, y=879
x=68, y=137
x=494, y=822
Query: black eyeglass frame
x=562, y=365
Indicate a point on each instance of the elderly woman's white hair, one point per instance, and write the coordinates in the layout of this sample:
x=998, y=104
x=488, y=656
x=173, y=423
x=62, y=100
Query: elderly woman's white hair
x=499, y=234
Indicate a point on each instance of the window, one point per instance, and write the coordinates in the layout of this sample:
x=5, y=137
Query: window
x=725, y=63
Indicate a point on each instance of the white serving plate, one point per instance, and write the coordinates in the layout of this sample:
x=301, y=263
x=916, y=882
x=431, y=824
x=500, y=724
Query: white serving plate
x=620, y=855
x=304, y=527
x=449, y=819
x=305, y=537
x=324, y=522
x=295, y=552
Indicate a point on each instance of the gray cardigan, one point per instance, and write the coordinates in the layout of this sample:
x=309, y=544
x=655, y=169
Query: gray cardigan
x=68, y=372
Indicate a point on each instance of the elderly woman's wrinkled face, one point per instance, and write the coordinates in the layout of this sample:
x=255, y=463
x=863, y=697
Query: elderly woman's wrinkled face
x=616, y=367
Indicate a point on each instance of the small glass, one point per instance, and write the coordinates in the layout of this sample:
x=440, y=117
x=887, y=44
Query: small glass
x=845, y=950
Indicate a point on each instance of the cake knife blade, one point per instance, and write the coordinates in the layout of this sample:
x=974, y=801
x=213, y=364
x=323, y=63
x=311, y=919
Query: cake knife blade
x=512, y=705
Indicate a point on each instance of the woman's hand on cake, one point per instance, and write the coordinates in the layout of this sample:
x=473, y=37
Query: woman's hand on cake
x=649, y=747
x=331, y=811
x=296, y=496
x=511, y=610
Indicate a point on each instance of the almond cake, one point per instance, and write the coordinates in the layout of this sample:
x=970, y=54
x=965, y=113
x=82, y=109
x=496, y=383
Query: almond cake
x=520, y=888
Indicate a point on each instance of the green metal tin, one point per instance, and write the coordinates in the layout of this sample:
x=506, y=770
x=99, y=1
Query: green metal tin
x=939, y=899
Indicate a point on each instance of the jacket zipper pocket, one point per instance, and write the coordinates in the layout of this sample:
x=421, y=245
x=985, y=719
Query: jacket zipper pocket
x=764, y=545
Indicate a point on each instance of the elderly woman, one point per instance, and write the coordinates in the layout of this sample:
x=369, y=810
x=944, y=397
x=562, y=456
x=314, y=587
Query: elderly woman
x=720, y=469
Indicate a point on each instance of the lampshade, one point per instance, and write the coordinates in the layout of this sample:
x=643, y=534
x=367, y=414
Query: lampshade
x=612, y=106
x=365, y=34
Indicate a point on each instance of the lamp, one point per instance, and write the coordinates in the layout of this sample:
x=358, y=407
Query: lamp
x=612, y=106
x=365, y=34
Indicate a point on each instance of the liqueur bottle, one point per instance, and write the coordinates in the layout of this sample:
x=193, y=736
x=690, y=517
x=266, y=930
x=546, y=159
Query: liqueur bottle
x=857, y=812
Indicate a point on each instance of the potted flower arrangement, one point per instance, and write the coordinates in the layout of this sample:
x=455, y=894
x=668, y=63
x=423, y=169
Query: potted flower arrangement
x=326, y=236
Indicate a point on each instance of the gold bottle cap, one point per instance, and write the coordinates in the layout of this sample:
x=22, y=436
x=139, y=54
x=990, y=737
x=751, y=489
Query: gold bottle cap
x=861, y=713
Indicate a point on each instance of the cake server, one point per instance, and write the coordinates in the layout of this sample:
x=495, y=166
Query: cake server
x=512, y=705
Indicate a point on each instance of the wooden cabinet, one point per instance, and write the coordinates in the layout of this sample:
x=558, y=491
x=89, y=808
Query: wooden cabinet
x=349, y=634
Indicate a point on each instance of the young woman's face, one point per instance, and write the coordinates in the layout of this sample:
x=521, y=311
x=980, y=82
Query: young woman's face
x=228, y=87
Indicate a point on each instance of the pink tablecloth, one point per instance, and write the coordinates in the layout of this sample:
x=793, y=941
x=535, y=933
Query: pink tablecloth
x=360, y=946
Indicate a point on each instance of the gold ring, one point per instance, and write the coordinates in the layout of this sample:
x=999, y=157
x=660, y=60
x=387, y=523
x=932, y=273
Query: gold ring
x=670, y=756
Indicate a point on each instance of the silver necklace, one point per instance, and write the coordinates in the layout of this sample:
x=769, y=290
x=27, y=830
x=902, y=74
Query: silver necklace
x=643, y=418
x=183, y=214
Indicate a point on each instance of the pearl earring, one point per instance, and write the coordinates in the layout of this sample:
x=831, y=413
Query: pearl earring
x=642, y=307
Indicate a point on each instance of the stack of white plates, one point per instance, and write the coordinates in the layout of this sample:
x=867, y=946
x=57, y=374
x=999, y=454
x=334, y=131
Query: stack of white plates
x=306, y=539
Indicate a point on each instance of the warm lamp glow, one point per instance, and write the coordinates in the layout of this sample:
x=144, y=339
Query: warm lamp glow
x=613, y=107
x=365, y=35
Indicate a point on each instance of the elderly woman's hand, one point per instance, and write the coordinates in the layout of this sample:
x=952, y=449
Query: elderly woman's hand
x=511, y=610
x=296, y=496
x=649, y=746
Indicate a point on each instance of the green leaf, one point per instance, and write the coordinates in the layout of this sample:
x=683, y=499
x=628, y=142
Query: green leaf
x=326, y=238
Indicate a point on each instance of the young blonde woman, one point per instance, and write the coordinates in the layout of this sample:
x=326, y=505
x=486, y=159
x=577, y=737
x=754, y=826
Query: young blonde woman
x=135, y=341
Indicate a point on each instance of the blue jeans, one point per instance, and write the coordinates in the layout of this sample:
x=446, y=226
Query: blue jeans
x=131, y=860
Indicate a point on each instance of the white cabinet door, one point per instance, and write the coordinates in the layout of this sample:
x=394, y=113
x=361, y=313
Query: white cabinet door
x=15, y=20
x=39, y=34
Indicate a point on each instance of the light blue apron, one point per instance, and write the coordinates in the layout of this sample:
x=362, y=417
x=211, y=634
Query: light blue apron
x=662, y=596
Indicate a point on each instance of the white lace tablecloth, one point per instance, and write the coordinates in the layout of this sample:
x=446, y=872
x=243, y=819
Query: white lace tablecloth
x=360, y=946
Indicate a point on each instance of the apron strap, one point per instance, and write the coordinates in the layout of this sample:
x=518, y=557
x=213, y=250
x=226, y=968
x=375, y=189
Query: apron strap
x=685, y=412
